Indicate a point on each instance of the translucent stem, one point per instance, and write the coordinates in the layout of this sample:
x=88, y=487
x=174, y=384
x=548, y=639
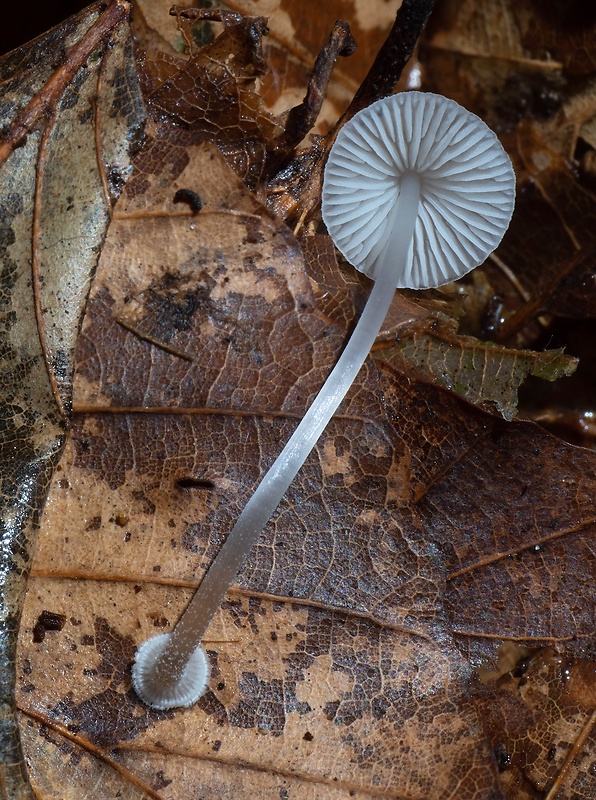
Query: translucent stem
x=222, y=572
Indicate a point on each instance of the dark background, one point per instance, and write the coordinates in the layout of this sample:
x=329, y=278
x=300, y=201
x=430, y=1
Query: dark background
x=24, y=21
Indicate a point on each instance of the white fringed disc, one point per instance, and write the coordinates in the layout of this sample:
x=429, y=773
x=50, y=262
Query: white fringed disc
x=467, y=191
x=177, y=694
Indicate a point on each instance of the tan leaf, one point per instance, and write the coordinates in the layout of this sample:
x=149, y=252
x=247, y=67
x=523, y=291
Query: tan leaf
x=322, y=649
x=334, y=660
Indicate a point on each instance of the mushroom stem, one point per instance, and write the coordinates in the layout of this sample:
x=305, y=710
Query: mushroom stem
x=171, y=661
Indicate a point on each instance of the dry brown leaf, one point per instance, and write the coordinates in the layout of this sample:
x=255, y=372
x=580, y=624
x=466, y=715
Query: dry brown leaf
x=323, y=655
x=421, y=341
x=335, y=662
x=297, y=31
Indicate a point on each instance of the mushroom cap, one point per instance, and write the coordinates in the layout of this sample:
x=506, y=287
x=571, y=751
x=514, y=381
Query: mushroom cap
x=467, y=188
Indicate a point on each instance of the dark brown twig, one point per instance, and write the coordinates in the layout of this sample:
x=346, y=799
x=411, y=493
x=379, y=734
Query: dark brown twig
x=302, y=117
x=147, y=337
x=393, y=55
x=206, y=14
x=380, y=81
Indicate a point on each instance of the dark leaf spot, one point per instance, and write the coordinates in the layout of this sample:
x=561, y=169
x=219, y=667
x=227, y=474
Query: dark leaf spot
x=194, y=483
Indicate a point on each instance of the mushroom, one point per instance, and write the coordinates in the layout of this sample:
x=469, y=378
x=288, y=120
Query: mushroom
x=417, y=192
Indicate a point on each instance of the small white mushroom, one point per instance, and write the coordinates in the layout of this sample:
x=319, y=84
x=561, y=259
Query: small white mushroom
x=417, y=192
x=418, y=186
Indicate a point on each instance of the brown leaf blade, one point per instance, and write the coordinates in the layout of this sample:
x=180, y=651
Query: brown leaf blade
x=296, y=34
x=212, y=94
x=52, y=226
x=541, y=717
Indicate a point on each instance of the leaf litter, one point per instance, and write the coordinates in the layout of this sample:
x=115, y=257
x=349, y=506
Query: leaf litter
x=421, y=535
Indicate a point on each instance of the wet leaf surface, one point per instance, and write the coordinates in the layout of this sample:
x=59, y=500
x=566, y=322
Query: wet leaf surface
x=543, y=727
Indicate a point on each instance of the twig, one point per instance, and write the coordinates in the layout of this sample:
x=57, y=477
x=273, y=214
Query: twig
x=302, y=117
x=393, y=55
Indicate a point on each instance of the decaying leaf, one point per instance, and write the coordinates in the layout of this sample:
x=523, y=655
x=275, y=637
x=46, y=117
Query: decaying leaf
x=70, y=107
x=337, y=646
x=542, y=726
x=297, y=32
x=528, y=69
x=213, y=95
x=421, y=340
x=344, y=644
x=483, y=373
x=420, y=534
